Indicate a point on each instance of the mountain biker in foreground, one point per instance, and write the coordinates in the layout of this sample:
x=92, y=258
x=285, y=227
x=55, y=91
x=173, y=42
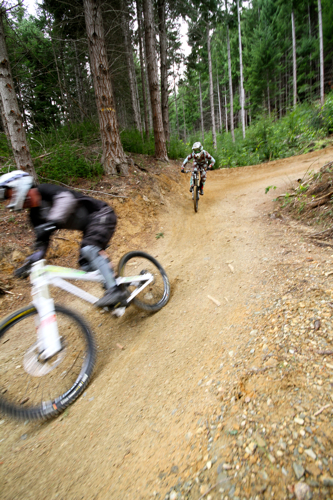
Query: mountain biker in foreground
x=54, y=207
x=202, y=160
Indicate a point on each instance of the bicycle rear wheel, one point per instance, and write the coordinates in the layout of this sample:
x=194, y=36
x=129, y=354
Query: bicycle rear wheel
x=33, y=389
x=196, y=198
x=155, y=295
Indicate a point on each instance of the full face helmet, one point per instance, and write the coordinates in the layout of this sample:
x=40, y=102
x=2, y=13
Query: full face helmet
x=197, y=149
x=20, y=183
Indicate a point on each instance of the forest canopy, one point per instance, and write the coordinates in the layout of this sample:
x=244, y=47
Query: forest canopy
x=257, y=71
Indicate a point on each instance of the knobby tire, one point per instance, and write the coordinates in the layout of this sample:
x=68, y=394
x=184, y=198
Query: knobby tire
x=156, y=294
x=196, y=198
x=14, y=375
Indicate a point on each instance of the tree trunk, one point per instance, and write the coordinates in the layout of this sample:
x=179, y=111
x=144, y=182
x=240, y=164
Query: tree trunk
x=63, y=103
x=143, y=78
x=11, y=116
x=150, y=113
x=280, y=96
x=137, y=93
x=78, y=79
x=268, y=98
x=176, y=105
x=310, y=36
x=219, y=101
x=294, y=59
x=184, y=121
x=226, y=111
x=164, y=69
x=22, y=106
x=230, y=90
x=201, y=112
x=129, y=56
x=242, y=96
x=64, y=74
x=211, y=88
x=160, y=145
x=63, y=106
x=3, y=123
x=321, y=54
x=114, y=159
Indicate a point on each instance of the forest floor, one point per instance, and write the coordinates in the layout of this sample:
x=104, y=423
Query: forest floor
x=223, y=394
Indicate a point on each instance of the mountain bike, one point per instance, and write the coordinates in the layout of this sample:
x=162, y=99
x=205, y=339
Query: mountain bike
x=196, y=186
x=47, y=351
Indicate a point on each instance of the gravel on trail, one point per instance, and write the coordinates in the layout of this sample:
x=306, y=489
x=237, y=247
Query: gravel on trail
x=271, y=433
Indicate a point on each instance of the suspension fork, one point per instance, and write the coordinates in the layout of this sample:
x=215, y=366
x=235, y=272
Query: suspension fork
x=47, y=328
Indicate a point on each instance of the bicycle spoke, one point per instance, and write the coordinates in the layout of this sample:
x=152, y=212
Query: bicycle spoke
x=67, y=371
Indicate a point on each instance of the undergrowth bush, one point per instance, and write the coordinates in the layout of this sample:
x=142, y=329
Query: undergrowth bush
x=74, y=151
x=177, y=149
x=133, y=142
x=65, y=164
x=87, y=133
x=304, y=129
x=328, y=114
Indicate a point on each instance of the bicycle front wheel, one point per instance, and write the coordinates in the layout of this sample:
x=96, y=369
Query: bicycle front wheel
x=34, y=389
x=155, y=295
x=196, y=198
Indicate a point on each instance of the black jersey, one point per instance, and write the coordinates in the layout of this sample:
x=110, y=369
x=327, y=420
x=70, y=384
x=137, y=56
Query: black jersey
x=68, y=209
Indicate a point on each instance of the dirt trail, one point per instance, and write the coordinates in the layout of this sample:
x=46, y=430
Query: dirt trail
x=130, y=434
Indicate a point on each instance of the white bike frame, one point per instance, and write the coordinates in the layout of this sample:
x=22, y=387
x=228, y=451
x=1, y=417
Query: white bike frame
x=42, y=276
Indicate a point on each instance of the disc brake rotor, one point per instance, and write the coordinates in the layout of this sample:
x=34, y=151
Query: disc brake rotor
x=35, y=367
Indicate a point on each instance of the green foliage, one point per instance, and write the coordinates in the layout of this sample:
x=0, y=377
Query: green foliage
x=177, y=149
x=287, y=200
x=5, y=152
x=133, y=142
x=159, y=235
x=67, y=153
x=66, y=163
x=30, y=52
x=87, y=133
x=301, y=130
x=327, y=114
x=268, y=188
x=302, y=188
x=302, y=203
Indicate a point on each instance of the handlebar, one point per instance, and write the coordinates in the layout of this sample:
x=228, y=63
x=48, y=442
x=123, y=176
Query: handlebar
x=195, y=169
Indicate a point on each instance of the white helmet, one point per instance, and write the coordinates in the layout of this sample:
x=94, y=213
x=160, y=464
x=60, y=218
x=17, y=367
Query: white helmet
x=197, y=147
x=20, y=182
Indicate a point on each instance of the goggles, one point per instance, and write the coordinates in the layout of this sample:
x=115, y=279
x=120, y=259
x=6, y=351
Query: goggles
x=196, y=151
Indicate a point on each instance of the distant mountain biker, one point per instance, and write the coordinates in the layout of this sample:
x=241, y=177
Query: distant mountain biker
x=54, y=207
x=202, y=160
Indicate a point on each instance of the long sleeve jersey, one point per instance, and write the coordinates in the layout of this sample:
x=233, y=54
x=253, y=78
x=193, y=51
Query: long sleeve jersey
x=205, y=160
